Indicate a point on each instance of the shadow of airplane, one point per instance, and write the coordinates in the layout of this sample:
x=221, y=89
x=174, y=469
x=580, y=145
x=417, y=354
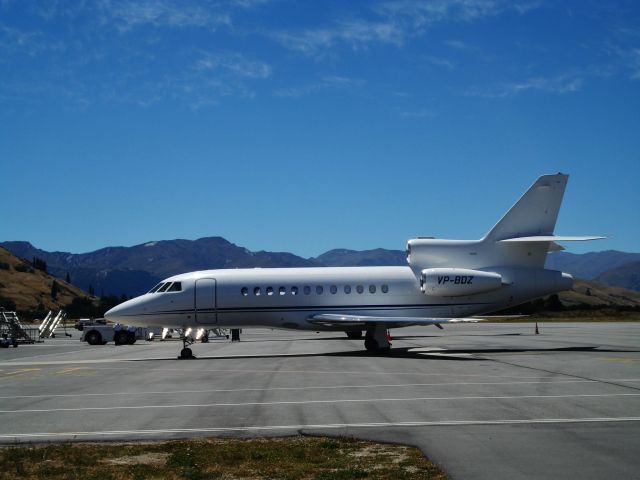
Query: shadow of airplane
x=422, y=353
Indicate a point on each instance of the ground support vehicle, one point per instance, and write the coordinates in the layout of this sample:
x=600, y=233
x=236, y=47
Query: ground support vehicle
x=84, y=322
x=119, y=334
x=6, y=341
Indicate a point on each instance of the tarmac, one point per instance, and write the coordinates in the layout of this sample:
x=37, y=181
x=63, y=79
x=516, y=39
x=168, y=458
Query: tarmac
x=484, y=400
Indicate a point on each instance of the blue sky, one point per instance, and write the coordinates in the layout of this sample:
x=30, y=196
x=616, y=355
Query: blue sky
x=306, y=126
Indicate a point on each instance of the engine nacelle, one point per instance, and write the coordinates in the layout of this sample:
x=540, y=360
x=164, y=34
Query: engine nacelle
x=457, y=282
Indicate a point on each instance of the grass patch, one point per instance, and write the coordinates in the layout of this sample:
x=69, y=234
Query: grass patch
x=283, y=458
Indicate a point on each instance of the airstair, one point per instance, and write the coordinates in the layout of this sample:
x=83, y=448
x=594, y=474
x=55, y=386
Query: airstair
x=48, y=326
x=11, y=326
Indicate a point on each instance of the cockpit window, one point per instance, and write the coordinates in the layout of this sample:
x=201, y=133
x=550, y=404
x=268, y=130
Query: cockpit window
x=175, y=287
x=156, y=288
x=165, y=287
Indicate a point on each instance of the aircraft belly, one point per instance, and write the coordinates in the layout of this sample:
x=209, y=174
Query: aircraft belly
x=298, y=320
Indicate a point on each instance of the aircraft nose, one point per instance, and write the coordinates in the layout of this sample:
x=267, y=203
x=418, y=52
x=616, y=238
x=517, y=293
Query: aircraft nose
x=124, y=313
x=114, y=314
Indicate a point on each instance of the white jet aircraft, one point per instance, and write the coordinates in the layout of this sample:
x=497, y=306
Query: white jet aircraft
x=445, y=281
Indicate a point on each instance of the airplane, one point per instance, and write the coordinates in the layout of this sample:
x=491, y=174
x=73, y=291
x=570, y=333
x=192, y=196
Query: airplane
x=445, y=281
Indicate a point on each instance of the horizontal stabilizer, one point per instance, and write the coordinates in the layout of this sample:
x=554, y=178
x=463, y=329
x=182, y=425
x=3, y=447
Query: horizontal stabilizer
x=338, y=320
x=550, y=238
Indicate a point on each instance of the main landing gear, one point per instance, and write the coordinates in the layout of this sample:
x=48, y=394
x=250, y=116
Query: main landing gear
x=186, y=353
x=354, y=334
x=376, y=340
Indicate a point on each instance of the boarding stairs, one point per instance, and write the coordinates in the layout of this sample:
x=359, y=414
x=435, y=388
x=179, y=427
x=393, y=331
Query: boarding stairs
x=48, y=326
x=219, y=332
x=11, y=326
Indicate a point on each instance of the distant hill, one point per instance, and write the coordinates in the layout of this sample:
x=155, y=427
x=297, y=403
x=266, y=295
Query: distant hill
x=626, y=275
x=29, y=288
x=341, y=257
x=134, y=270
x=589, y=292
x=589, y=265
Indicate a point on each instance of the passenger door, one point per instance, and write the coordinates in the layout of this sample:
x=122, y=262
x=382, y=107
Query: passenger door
x=205, y=301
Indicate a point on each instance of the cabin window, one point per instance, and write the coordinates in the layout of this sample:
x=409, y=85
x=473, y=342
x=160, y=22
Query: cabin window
x=372, y=289
x=307, y=289
x=360, y=289
x=269, y=291
x=156, y=288
x=347, y=289
x=333, y=289
x=244, y=291
x=384, y=288
x=256, y=291
x=282, y=291
x=175, y=287
x=294, y=290
x=319, y=289
x=164, y=287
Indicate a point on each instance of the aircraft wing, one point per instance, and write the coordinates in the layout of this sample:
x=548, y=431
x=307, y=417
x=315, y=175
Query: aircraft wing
x=340, y=320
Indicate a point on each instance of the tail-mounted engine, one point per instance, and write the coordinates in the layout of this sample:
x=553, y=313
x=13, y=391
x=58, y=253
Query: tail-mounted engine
x=456, y=282
x=431, y=260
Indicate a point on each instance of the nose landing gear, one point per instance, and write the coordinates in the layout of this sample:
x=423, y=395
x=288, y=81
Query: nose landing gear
x=186, y=353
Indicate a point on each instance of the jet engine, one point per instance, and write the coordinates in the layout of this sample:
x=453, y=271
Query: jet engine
x=456, y=282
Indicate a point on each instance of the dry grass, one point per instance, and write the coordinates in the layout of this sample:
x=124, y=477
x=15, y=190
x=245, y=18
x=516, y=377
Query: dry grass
x=30, y=288
x=284, y=458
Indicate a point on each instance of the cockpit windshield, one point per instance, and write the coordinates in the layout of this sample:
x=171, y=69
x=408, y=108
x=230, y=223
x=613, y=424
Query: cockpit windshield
x=156, y=288
x=167, y=287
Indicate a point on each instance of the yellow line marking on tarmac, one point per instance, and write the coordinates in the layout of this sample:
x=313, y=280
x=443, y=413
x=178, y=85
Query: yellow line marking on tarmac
x=454, y=423
x=69, y=370
x=621, y=360
x=319, y=402
x=21, y=371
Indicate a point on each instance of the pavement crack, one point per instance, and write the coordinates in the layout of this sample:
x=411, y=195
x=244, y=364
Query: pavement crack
x=570, y=375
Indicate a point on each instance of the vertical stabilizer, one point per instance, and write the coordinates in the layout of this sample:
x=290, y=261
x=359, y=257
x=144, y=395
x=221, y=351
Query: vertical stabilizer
x=536, y=212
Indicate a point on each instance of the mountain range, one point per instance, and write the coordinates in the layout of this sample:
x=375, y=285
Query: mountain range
x=134, y=270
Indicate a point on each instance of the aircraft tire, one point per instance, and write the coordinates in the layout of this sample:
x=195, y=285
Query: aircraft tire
x=373, y=346
x=354, y=334
x=93, y=338
x=131, y=338
x=186, y=354
x=370, y=344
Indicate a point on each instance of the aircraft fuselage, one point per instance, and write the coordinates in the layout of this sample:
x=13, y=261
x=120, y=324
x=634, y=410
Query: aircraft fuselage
x=288, y=297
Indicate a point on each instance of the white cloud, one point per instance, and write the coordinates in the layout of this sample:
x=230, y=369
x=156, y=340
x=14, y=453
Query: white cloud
x=457, y=44
x=634, y=63
x=356, y=34
x=441, y=62
x=234, y=64
x=160, y=13
x=249, y=3
x=560, y=84
x=421, y=14
x=326, y=83
x=415, y=114
x=17, y=41
x=392, y=23
x=629, y=60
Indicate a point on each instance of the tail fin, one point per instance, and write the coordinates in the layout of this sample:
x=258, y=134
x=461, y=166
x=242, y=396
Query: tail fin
x=536, y=212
